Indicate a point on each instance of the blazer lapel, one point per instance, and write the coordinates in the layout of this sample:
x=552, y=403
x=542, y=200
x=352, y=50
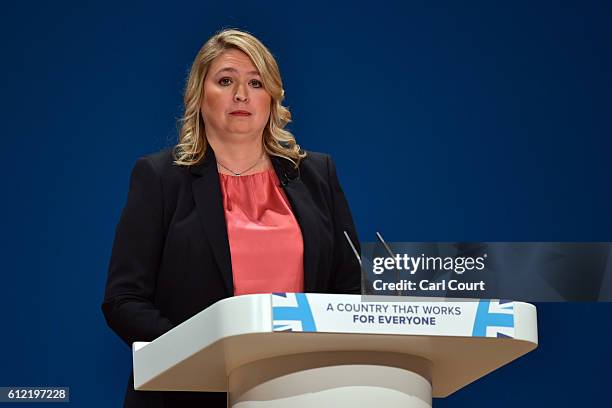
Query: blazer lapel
x=304, y=211
x=209, y=205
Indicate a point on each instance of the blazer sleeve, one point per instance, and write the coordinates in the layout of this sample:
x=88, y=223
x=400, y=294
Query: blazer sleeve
x=139, y=237
x=346, y=276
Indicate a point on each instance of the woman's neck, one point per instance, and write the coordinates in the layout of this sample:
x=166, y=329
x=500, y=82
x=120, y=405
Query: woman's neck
x=240, y=158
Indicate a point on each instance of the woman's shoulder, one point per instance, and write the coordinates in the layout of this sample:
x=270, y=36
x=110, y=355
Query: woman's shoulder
x=315, y=160
x=162, y=161
x=317, y=157
x=160, y=166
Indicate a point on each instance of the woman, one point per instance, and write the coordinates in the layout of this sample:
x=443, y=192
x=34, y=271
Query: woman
x=235, y=208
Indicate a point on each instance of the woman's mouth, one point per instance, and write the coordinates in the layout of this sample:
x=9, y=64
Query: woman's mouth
x=240, y=113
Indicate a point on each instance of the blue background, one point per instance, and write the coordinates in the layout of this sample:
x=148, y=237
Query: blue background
x=448, y=121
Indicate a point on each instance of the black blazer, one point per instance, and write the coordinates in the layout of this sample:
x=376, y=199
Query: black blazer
x=171, y=257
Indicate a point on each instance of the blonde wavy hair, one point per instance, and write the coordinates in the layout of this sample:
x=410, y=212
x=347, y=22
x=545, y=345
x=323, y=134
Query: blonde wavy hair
x=277, y=140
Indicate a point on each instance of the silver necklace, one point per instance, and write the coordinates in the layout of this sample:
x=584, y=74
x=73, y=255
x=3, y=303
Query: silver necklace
x=235, y=173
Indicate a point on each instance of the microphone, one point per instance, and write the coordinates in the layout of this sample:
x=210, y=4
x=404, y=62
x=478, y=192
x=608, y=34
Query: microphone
x=382, y=240
x=352, y=247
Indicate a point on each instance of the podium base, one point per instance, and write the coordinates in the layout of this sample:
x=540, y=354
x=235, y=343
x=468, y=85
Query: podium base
x=338, y=379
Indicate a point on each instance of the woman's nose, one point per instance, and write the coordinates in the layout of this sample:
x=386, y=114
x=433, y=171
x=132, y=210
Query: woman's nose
x=240, y=95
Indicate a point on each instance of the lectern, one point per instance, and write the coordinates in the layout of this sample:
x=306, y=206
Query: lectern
x=322, y=350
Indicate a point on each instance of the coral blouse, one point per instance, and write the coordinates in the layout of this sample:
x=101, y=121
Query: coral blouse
x=265, y=239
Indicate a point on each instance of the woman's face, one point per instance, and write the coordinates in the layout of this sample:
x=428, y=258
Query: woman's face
x=235, y=105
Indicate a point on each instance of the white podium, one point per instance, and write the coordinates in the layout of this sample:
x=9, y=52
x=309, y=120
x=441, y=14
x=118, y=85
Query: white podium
x=324, y=350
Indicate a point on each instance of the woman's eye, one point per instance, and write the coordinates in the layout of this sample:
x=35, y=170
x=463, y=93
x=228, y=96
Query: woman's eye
x=225, y=81
x=256, y=83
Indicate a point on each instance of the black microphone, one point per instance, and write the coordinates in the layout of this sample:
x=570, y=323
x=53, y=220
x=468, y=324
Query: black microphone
x=284, y=180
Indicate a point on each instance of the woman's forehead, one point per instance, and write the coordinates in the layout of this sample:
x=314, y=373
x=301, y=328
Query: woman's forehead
x=234, y=61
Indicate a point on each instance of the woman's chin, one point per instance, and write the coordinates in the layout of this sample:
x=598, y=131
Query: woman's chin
x=244, y=130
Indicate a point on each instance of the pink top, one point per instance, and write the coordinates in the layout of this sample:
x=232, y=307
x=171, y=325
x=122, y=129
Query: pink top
x=264, y=237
